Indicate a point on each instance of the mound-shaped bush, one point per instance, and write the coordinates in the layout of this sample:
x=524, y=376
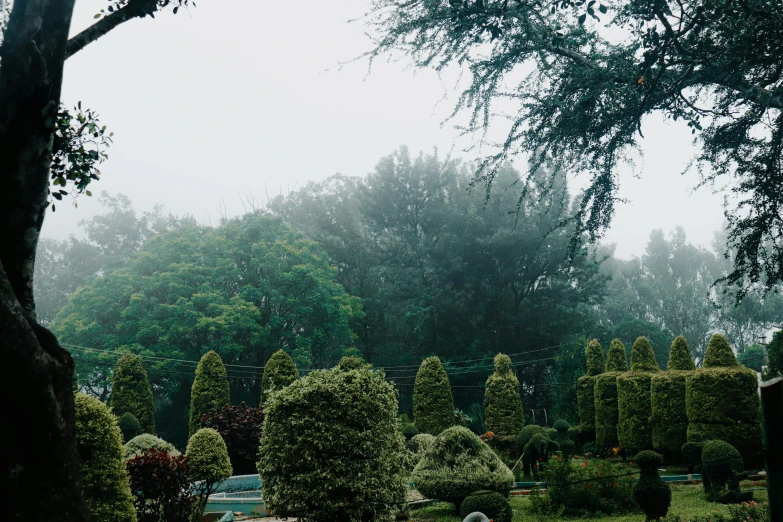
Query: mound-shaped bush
x=503, y=413
x=652, y=494
x=210, y=389
x=141, y=443
x=722, y=470
x=634, y=405
x=131, y=392
x=433, y=404
x=279, y=372
x=490, y=503
x=104, y=481
x=528, y=432
x=667, y=395
x=457, y=464
x=417, y=446
x=129, y=426
x=331, y=448
x=605, y=390
x=722, y=402
x=409, y=431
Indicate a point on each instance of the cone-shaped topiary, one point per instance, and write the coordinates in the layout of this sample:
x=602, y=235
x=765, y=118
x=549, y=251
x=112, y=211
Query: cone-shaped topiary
x=596, y=362
x=680, y=357
x=567, y=446
x=722, y=403
x=209, y=463
x=652, y=494
x=104, y=480
x=279, y=372
x=719, y=354
x=433, y=404
x=605, y=390
x=457, y=464
x=491, y=503
x=210, y=389
x=667, y=395
x=502, y=403
x=634, y=406
x=129, y=426
x=131, y=392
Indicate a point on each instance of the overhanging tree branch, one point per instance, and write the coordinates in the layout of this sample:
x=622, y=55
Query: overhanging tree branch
x=137, y=9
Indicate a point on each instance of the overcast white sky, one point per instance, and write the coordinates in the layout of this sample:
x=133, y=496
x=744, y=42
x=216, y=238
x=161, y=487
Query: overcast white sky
x=246, y=95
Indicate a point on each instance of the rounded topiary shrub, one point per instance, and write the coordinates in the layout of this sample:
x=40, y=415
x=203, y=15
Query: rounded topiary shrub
x=528, y=432
x=131, y=392
x=667, y=395
x=279, y=372
x=417, y=446
x=457, y=464
x=210, y=389
x=491, y=503
x=503, y=413
x=566, y=445
x=141, y=443
x=129, y=426
x=104, y=480
x=209, y=463
x=722, y=470
x=652, y=494
x=331, y=448
x=634, y=430
x=722, y=402
x=409, y=431
x=433, y=404
x=605, y=391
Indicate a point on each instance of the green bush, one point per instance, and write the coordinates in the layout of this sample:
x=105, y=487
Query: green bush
x=417, y=446
x=457, y=464
x=409, y=431
x=596, y=362
x=691, y=451
x=536, y=451
x=585, y=398
x=104, y=481
x=775, y=357
x=279, y=372
x=719, y=354
x=351, y=362
x=490, y=503
x=131, y=392
x=722, y=470
x=567, y=446
x=209, y=463
x=652, y=494
x=680, y=357
x=433, y=404
x=606, y=410
x=667, y=395
x=528, y=432
x=502, y=403
x=141, y=443
x=331, y=449
x=210, y=389
x=722, y=403
x=129, y=426
x=616, y=358
x=634, y=406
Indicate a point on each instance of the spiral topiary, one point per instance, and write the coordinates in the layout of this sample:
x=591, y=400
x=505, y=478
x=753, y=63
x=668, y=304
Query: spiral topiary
x=210, y=389
x=491, y=503
x=433, y=404
x=605, y=391
x=502, y=403
x=279, y=372
x=667, y=395
x=652, y=494
x=633, y=398
x=131, y=392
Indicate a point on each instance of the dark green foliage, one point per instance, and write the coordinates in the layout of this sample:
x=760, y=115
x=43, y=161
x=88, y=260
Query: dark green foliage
x=775, y=356
x=719, y=353
x=566, y=445
x=722, y=470
x=634, y=430
x=528, y=432
x=433, y=404
x=351, y=362
x=131, y=392
x=491, y=503
x=680, y=357
x=596, y=362
x=616, y=358
x=345, y=460
x=537, y=450
x=279, y=371
x=210, y=389
x=643, y=356
x=458, y=464
x=409, y=431
x=416, y=447
x=692, y=453
x=723, y=404
x=606, y=410
x=669, y=413
x=503, y=413
x=129, y=425
x=585, y=396
x=209, y=465
x=652, y=494
x=752, y=357
x=104, y=481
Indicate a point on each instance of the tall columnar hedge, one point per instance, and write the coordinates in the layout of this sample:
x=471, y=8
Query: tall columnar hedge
x=723, y=402
x=210, y=389
x=433, y=404
x=585, y=389
x=667, y=394
x=503, y=412
x=605, y=390
x=634, y=430
x=279, y=372
x=131, y=392
x=330, y=448
x=104, y=481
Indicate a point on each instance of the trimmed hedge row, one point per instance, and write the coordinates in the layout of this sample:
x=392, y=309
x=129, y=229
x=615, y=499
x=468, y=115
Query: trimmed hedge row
x=667, y=393
x=606, y=410
x=585, y=397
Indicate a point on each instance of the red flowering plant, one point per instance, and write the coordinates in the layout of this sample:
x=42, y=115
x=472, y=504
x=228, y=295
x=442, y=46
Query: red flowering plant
x=160, y=483
x=240, y=427
x=584, y=487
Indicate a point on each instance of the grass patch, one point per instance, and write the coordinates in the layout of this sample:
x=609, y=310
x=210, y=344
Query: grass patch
x=687, y=501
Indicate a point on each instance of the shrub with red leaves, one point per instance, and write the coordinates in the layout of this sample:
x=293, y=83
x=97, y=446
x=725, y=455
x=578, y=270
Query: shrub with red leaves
x=161, y=487
x=240, y=427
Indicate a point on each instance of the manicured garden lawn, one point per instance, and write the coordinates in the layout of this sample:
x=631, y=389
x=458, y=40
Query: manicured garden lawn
x=687, y=501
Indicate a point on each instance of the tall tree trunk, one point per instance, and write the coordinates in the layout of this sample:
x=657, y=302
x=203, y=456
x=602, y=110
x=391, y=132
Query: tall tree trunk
x=39, y=465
